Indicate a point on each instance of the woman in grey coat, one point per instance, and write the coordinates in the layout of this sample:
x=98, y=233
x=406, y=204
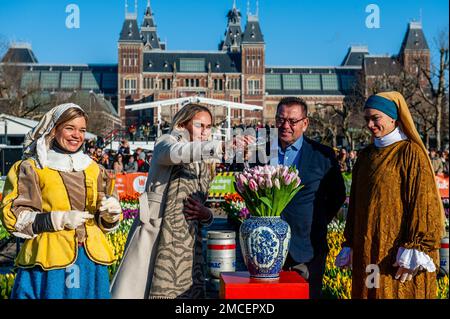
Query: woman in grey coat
x=163, y=255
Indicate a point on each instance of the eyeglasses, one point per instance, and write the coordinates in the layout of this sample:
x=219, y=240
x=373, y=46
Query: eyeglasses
x=280, y=121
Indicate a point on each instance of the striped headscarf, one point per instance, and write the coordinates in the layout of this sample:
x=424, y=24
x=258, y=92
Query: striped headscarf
x=37, y=142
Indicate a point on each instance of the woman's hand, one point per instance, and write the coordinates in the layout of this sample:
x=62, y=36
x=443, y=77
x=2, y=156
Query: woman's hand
x=110, y=209
x=194, y=210
x=243, y=141
x=405, y=274
x=238, y=143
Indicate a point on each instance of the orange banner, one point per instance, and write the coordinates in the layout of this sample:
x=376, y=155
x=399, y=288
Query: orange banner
x=442, y=181
x=130, y=184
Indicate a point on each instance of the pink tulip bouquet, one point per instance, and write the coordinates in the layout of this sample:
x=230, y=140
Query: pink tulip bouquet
x=267, y=190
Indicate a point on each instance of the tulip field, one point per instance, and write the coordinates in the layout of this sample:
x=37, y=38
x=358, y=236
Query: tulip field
x=337, y=282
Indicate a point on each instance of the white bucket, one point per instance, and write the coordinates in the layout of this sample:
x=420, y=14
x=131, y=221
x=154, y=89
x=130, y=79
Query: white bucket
x=221, y=253
x=443, y=254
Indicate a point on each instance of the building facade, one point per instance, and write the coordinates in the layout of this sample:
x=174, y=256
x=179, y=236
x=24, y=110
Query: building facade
x=237, y=71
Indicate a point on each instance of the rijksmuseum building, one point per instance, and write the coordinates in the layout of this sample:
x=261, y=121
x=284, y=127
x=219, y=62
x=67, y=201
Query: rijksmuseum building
x=147, y=71
x=238, y=72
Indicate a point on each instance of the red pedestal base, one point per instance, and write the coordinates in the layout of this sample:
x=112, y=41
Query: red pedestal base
x=239, y=285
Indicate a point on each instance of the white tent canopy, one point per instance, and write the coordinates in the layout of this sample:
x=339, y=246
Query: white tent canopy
x=195, y=99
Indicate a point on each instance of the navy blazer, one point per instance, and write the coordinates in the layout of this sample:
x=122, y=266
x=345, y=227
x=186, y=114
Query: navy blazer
x=317, y=203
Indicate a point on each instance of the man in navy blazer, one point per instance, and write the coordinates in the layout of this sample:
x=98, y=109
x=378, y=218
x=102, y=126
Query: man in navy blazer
x=318, y=202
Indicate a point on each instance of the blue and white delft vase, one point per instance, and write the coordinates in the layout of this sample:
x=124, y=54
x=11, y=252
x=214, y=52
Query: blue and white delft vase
x=265, y=245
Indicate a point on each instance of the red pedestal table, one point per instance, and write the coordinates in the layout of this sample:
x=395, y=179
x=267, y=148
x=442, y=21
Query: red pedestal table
x=239, y=285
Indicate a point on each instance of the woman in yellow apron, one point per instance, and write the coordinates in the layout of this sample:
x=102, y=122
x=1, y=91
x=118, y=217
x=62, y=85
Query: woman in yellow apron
x=61, y=203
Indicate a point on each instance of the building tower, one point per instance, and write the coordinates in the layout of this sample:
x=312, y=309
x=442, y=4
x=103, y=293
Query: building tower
x=149, y=34
x=253, y=64
x=233, y=34
x=130, y=62
x=414, y=53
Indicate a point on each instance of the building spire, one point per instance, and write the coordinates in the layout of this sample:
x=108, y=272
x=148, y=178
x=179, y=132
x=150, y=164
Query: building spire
x=126, y=7
x=135, y=7
x=257, y=7
x=234, y=4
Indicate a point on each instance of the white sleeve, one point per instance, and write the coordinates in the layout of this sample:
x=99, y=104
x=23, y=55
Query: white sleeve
x=412, y=259
x=24, y=225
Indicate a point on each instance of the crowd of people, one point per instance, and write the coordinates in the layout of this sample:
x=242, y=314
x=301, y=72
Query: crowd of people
x=124, y=161
x=120, y=161
x=439, y=160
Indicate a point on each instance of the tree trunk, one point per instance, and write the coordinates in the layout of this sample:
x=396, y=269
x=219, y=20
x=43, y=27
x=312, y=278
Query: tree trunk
x=438, y=125
x=443, y=65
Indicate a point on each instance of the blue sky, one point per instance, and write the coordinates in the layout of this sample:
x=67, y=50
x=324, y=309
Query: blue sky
x=297, y=32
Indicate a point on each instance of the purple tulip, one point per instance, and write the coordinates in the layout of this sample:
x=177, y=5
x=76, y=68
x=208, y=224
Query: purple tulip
x=244, y=213
x=240, y=186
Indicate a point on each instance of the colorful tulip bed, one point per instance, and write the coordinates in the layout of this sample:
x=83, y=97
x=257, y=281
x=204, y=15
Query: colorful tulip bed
x=337, y=282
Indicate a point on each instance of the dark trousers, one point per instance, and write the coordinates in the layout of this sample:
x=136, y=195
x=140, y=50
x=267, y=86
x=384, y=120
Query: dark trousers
x=312, y=271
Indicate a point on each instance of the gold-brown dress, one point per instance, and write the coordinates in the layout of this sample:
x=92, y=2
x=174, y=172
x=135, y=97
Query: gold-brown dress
x=393, y=203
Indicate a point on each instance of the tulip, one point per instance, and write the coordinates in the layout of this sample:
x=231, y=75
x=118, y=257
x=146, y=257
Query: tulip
x=298, y=181
x=267, y=170
x=240, y=186
x=293, y=177
x=253, y=185
x=269, y=183
x=287, y=179
x=276, y=182
x=261, y=182
x=244, y=213
x=243, y=179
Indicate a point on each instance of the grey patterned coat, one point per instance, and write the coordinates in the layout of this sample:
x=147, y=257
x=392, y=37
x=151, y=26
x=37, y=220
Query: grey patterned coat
x=133, y=278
